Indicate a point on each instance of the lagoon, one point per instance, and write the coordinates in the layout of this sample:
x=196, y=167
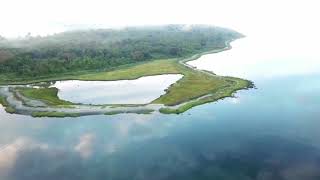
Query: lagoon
x=140, y=91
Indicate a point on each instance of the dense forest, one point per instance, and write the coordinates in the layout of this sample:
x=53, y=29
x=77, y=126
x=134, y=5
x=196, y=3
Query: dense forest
x=103, y=49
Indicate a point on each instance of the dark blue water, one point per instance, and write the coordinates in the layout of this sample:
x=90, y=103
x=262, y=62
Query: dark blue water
x=267, y=133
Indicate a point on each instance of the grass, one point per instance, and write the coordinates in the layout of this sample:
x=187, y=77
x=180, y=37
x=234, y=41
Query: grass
x=140, y=111
x=7, y=106
x=10, y=110
x=3, y=101
x=191, y=86
x=12, y=79
x=53, y=114
x=47, y=95
x=222, y=93
x=168, y=66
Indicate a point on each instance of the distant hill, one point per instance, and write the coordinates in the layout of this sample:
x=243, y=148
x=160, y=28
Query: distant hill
x=103, y=49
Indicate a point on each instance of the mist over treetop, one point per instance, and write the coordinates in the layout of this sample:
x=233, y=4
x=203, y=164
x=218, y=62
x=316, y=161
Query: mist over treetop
x=102, y=49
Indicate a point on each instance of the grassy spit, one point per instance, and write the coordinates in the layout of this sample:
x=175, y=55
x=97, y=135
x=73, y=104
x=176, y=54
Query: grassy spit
x=53, y=114
x=220, y=94
x=142, y=111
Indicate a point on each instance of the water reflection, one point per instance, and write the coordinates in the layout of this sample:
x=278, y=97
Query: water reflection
x=218, y=155
x=139, y=91
x=269, y=133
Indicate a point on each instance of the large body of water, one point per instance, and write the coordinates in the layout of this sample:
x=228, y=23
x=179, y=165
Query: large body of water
x=268, y=133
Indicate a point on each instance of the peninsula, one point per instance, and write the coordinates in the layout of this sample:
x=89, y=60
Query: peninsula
x=30, y=65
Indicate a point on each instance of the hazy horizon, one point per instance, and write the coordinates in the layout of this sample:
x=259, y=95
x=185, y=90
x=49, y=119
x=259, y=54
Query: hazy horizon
x=288, y=18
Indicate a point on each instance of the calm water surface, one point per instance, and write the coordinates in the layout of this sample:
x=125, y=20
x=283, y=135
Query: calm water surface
x=139, y=91
x=268, y=133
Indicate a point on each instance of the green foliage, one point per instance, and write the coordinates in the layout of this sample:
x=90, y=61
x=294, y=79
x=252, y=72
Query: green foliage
x=4, y=103
x=232, y=85
x=10, y=110
x=53, y=114
x=104, y=49
x=157, y=67
x=48, y=95
x=138, y=111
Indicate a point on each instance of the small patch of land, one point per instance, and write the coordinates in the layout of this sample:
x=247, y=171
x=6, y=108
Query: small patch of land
x=47, y=95
x=53, y=114
x=142, y=111
x=8, y=108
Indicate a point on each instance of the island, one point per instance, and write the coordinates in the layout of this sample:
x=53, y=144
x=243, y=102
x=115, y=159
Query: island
x=29, y=65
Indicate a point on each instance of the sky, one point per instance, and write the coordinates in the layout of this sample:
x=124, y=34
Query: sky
x=41, y=17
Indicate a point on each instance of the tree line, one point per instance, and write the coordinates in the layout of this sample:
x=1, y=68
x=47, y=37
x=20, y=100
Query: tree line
x=105, y=48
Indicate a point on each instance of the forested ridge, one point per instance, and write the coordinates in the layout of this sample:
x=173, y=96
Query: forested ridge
x=103, y=49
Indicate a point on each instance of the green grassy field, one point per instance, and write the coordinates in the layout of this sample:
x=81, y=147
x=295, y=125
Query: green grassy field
x=227, y=91
x=157, y=67
x=120, y=73
x=47, y=95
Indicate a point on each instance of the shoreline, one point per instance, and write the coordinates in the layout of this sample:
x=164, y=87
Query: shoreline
x=82, y=110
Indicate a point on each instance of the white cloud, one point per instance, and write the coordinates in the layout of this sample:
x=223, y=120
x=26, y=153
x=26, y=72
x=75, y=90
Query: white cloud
x=85, y=145
x=9, y=153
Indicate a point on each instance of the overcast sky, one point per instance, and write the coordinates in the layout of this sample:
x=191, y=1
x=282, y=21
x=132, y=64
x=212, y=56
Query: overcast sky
x=18, y=17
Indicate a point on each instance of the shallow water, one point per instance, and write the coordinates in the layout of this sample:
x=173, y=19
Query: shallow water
x=139, y=91
x=268, y=133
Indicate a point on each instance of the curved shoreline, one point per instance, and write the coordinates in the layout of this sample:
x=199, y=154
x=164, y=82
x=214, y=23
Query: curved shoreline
x=81, y=110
